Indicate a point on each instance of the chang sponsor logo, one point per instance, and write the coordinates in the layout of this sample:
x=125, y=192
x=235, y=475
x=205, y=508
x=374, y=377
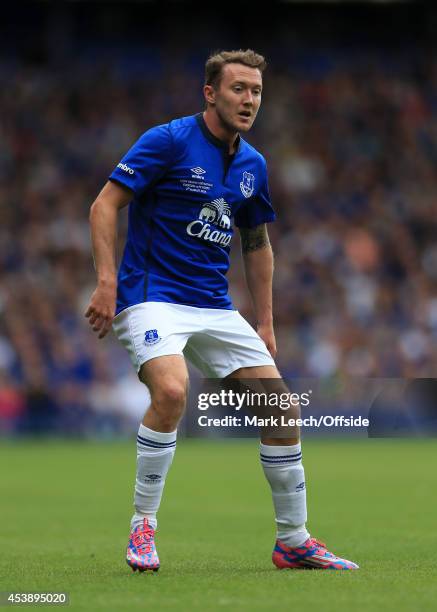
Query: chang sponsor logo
x=214, y=217
x=204, y=231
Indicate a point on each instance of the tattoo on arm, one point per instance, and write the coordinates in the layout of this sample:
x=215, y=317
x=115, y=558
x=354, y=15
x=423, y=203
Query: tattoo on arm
x=254, y=238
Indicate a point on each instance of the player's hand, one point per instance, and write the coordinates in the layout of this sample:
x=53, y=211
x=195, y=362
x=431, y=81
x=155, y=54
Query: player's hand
x=266, y=333
x=101, y=310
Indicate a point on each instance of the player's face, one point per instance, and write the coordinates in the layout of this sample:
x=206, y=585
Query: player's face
x=238, y=97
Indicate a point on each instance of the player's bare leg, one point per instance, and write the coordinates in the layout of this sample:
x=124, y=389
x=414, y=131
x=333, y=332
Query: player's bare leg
x=271, y=372
x=167, y=380
x=281, y=459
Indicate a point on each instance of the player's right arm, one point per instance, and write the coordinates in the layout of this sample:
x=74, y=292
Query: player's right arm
x=103, y=222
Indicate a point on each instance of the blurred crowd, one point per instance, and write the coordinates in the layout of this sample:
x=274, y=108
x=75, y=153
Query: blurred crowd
x=351, y=146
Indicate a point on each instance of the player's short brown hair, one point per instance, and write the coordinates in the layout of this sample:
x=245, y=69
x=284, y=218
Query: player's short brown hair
x=216, y=61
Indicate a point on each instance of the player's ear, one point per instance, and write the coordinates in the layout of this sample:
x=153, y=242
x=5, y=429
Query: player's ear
x=209, y=93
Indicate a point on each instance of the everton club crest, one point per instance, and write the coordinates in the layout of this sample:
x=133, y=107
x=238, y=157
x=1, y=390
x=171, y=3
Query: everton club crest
x=247, y=184
x=151, y=336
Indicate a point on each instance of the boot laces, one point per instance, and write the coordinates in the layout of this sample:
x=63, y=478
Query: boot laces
x=143, y=539
x=318, y=543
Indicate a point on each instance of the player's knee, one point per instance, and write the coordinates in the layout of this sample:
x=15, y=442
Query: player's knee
x=171, y=395
x=168, y=403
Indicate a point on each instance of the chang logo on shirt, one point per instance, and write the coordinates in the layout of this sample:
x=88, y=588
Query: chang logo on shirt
x=216, y=213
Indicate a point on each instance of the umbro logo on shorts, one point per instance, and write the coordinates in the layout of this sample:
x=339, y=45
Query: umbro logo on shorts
x=151, y=336
x=300, y=486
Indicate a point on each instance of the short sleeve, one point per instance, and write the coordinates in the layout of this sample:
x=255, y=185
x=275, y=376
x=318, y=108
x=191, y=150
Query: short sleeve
x=257, y=209
x=146, y=161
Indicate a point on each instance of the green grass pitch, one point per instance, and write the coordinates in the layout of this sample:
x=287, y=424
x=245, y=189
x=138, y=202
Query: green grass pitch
x=65, y=509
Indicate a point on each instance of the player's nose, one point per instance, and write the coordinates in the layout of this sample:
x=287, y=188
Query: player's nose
x=248, y=99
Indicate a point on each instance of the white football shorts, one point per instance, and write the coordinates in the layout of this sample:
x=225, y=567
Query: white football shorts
x=216, y=341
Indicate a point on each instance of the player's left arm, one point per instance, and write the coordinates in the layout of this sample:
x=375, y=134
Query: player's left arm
x=258, y=266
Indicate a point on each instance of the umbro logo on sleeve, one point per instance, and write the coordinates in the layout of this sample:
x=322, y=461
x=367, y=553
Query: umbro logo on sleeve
x=125, y=168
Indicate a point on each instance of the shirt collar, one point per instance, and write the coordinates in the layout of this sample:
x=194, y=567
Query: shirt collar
x=213, y=139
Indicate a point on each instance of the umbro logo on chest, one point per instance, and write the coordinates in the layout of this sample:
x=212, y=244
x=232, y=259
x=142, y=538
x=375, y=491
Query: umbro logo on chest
x=198, y=173
x=196, y=180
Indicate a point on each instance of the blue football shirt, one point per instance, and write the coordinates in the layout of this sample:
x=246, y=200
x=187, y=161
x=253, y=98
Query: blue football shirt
x=187, y=194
